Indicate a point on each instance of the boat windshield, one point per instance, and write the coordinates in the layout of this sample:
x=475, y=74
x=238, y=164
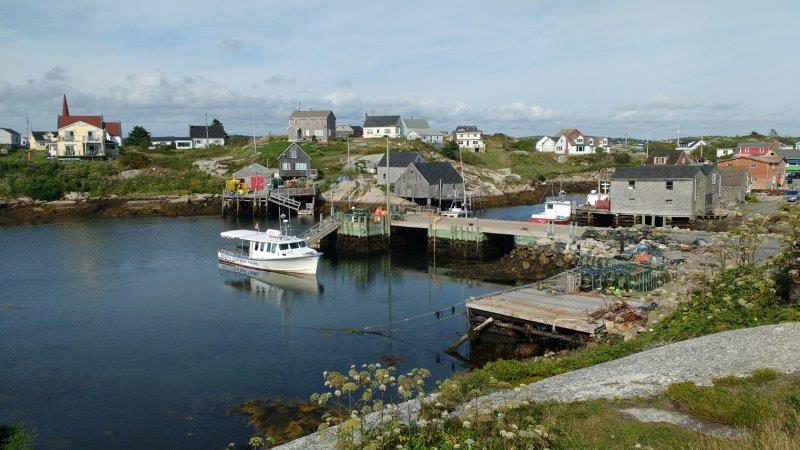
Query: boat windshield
x=284, y=247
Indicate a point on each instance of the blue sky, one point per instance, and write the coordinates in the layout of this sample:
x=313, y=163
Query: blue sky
x=719, y=67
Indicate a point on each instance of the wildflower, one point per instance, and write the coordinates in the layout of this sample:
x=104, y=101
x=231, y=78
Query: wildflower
x=470, y=442
x=466, y=424
x=456, y=445
x=382, y=387
x=444, y=414
x=396, y=431
x=422, y=423
x=337, y=393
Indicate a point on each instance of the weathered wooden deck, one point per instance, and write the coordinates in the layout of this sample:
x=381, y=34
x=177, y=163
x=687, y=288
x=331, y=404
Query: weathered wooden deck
x=558, y=312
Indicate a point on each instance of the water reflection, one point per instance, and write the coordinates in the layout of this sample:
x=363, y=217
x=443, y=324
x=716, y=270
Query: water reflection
x=281, y=289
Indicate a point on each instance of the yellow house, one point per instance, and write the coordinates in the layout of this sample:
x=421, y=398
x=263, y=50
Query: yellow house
x=85, y=136
x=82, y=139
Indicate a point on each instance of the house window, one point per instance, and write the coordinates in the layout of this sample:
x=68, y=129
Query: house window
x=293, y=153
x=631, y=185
x=69, y=150
x=387, y=131
x=300, y=166
x=669, y=201
x=286, y=166
x=669, y=186
x=753, y=165
x=660, y=160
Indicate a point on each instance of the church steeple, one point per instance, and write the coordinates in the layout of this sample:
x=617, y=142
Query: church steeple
x=64, y=107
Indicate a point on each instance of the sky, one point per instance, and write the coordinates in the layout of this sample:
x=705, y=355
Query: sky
x=525, y=67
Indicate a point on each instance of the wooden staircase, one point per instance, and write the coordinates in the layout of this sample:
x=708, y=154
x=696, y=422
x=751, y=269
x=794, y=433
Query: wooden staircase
x=282, y=200
x=315, y=234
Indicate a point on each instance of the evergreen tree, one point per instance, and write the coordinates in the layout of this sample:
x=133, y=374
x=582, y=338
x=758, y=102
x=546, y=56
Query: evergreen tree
x=450, y=149
x=138, y=137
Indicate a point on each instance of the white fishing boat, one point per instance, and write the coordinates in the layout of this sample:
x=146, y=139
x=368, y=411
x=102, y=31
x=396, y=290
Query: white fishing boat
x=270, y=250
x=555, y=211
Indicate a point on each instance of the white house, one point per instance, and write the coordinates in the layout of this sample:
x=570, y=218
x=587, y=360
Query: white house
x=546, y=145
x=380, y=126
x=570, y=141
x=722, y=152
x=10, y=137
x=168, y=141
x=203, y=136
x=797, y=145
x=692, y=146
x=428, y=135
x=469, y=137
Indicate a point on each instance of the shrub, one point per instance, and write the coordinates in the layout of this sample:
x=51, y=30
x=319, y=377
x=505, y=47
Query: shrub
x=134, y=160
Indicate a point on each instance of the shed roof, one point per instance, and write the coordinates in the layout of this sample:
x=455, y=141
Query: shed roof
x=253, y=169
x=769, y=144
x=467, y=128
x=433, y=172
x=400, y=159
x=9, y=130
x=656, y=172
x=322, y=113
x=426, y=131
x=673, y=156
x=168, y=138
x=381, y=121
x=416, y=123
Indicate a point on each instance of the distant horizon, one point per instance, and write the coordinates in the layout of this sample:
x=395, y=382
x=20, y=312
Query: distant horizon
x=532, y=68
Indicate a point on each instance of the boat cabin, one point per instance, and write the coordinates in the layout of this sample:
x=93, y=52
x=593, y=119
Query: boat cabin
x=267, y=244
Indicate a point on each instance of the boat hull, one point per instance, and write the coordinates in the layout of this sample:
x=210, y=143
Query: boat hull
x=543, y=220
x=301, y=264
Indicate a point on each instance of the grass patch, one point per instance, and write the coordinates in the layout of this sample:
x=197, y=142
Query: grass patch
x=759, y=403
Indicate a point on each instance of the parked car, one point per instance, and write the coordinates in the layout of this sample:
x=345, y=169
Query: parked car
x=792, y=196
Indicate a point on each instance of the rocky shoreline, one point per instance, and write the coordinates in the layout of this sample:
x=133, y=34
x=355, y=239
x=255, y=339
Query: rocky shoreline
x=26, y=211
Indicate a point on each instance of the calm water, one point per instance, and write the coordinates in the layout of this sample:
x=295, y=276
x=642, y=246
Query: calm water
x=126, y=333
x=523, y=212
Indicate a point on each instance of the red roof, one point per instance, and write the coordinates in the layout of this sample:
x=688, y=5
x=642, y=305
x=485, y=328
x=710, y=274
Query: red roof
x=63, y=121
x=113, y=128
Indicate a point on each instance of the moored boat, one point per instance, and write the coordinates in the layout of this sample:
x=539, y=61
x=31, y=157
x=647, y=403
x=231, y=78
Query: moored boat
x=555, y=211
x=270, y=250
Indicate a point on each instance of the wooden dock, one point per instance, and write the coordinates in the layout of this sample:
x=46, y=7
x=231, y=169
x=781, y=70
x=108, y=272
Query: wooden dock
x=556, y=314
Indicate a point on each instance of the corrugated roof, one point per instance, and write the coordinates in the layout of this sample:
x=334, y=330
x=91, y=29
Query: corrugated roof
x=656, y=172
x=400, y=159
x=310, y=113
x=435, y=171
x=381, y=121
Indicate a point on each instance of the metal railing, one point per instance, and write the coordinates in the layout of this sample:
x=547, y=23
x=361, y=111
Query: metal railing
x=235, y=252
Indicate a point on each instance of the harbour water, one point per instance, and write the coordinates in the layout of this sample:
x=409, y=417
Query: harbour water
x=126, y=333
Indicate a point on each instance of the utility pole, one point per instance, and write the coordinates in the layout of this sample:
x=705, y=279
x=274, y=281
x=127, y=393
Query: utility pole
x=255, y=150
x=626, y=135
x=515, y=125
x=702, y=143
x=647, y=142
x=206, y=146
x=348, y=163
x=388, y=211
x=678, y=140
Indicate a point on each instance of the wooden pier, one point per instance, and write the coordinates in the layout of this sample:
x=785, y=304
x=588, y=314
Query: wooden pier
x=549, y=314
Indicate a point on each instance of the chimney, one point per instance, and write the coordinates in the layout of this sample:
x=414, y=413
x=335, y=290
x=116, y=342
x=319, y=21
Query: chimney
x=64, y=107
